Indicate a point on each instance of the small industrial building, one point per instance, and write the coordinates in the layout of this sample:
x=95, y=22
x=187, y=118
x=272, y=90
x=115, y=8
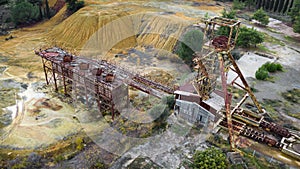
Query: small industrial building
x=191, y=108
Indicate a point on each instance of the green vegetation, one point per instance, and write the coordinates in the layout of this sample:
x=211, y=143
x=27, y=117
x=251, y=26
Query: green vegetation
x=59, y=158
x=261, y=16
x=249, y=3
x=288, y=107
x=159, y=113
x=258, y=161
x=295, y=11
x=230, y=15
x=270, y=39
x=264, y=49
x=30, y=11
x=249, y=37
x=295, y=16
x=223, y=30
x=217, y=141
x=24, y=12
x=206, y=16
x=192, y=42
x=7, y=96
x=263, y=72
x=238, y=5
x=79, y=143
x=272, y=106
x=74, y=5
x=296, y=25
x=21, y=165
x=169, y=100
x=99, y=165
x=210, y=158
x=39, y=4
x=292, y=95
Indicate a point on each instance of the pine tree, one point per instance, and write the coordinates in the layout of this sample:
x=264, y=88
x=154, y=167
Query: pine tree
x=261, y=16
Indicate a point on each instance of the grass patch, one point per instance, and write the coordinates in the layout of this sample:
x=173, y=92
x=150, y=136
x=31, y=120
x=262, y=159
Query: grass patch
x=7, y=97
x=218, y=141
x=292, y=95
x=295, y=115
x=179, y=130
x=290, y=39
x=273, y=106
x=273, y=30
x=263, y=48
x=271, y=79
x=270, y=106
x=272, y=40
x=257, y=161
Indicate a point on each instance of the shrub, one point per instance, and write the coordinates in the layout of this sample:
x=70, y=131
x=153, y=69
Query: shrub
x=279, y=67
x=261, y=16
x=79, y=143
x=169, y=100
x=271, y=67
x=192, y=42
x=74, y=5
x=248, y=37
x=24, y=12
x=261, y=74
x=224, y=30
x=210, y=158
x=238, y=5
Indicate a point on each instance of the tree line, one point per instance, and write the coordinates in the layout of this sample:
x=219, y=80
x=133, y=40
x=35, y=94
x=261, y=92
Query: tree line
x=24, y=12
x=292, y=8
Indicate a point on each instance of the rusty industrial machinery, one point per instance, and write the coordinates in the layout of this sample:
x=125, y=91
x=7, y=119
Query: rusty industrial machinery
x=106, y=84
x=214, y=57
x=216, y=54
x=98, y=80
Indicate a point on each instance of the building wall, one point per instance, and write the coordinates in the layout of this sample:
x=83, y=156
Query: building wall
x=193, y=112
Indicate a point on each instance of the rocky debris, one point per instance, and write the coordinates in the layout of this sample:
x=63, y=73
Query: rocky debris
x=3, y=32
x=167, y=150
x=9, y=37
x=90, y=157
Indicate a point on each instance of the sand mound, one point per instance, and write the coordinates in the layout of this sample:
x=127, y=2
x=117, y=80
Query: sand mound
x=99, y=29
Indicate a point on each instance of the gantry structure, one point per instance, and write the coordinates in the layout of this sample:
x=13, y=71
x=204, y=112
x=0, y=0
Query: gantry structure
x=216, y=58
x=97, y=80
x=216, y=54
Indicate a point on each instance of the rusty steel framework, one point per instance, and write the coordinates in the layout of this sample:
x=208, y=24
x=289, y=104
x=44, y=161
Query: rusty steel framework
x=220, y=57
x=97, y=80
x=237, y=119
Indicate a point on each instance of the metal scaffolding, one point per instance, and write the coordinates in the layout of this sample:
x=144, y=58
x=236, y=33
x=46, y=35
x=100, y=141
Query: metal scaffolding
x=97, y=80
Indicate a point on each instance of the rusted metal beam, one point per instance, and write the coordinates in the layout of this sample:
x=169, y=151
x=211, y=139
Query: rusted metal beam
x=246, y=86
x=227, y=102
x=45, y=71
